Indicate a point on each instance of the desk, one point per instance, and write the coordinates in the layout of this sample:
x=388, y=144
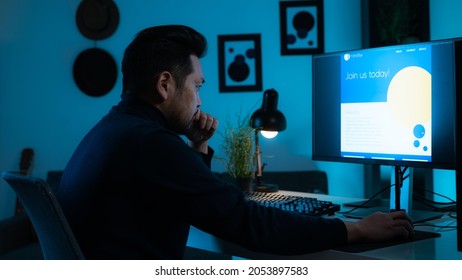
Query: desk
x=440, y=248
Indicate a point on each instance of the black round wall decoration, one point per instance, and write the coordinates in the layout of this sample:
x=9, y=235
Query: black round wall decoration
x=97, y=19
x=95, y=72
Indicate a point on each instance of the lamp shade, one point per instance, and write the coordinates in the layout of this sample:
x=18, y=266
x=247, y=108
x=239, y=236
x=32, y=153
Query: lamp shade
x=268, y=117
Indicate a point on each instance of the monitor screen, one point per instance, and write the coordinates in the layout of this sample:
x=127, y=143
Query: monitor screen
x=391, y=105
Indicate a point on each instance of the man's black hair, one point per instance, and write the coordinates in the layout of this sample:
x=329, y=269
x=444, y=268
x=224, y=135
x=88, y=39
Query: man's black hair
x=157, y=49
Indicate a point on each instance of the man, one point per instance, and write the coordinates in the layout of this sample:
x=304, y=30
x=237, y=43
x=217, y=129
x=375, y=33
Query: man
x=133, y=186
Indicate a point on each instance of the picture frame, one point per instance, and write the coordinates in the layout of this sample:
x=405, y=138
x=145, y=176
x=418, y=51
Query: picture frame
x=239, y=62
x=302, y=27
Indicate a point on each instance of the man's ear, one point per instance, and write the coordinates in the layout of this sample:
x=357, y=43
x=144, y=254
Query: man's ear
x=165, y=84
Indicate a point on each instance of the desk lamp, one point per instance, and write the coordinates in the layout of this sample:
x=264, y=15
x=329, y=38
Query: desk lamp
x=269, y=120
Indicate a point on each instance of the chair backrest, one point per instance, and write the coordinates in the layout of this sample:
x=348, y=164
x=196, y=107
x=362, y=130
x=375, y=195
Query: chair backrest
x=53, y=231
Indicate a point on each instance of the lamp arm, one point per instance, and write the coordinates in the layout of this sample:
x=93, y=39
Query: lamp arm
x=258, y=158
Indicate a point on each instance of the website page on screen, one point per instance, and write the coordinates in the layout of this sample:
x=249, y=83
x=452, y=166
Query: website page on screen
x=386, y=104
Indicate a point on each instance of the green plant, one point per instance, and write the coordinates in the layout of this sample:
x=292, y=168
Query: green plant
x=237, y=145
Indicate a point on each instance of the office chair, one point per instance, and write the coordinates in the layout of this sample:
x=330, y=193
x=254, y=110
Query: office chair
x=54, y=233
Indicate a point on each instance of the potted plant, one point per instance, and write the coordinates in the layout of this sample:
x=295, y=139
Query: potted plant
x=237, y=146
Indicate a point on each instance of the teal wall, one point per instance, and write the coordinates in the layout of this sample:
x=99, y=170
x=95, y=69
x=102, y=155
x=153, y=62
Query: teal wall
x=40, y=106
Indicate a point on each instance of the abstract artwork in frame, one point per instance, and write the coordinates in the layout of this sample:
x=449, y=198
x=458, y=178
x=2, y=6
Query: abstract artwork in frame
x=239, y=62
x=302, y=27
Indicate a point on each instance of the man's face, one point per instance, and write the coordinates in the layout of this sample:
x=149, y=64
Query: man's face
x=187, y=102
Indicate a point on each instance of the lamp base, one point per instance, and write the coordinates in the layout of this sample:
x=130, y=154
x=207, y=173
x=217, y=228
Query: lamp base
x=265, y=188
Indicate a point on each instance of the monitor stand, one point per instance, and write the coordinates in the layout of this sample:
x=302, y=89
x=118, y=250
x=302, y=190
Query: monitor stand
x=400, y=199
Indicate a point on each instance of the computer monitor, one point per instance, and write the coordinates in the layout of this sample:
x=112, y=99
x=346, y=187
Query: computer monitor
x=393, y=105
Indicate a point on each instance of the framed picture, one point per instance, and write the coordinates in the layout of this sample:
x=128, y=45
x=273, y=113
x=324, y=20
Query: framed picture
x=239, y=62
x=302, y=27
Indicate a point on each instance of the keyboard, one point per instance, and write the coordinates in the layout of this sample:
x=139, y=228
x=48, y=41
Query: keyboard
x=299, y=204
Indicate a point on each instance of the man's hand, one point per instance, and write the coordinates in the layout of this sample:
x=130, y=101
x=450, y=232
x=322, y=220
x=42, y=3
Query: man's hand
x=380, y=227
x=202, y=129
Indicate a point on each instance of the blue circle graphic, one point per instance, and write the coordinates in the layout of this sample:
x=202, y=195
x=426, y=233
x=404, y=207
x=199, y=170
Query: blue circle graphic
x=419, y=131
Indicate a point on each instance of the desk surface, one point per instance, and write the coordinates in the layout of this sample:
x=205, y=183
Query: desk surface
x=440, y=248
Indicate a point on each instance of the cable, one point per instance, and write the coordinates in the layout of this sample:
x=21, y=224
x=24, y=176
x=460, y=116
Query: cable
x=423, y=198
x=438, y=194
x=446, y=206
x=453, y=215
x=416, y=196
x=401, y=173
x=367, y=201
